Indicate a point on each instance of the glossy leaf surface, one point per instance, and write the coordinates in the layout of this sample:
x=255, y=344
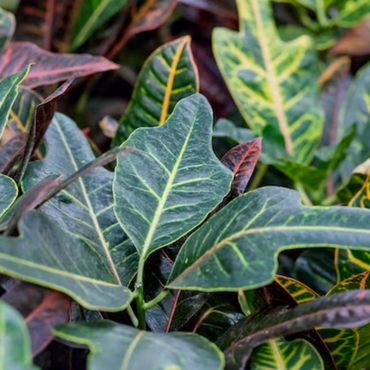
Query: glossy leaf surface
x=14, y=340
x=84, y=208
x=171, y=180
x=120, y=347
x=49, y=67
x=8, y=193
x=237, y=248
x=340, y=311
x=262, y=75
x=167, y=76
x=8, y=94
x=7, y=26
x=92, y=14
x=280, y=354
x=46, y=254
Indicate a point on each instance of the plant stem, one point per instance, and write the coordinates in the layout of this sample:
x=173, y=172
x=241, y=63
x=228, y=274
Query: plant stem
x=133, y=317
x=156, y=300
x=261, y=172
x=305, y=198
x=321, y=14
x=140, y=294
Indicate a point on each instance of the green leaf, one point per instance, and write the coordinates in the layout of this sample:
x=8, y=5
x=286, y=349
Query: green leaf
x=238, y=247
x=92, y=14
x=300, y=292
x=349, y=12
x=356, y=110
x=272, y=82
x=8, y=94
x=340, y=311
x=119, y=347
x=280, y=354
x=226, y=128
x=47, y=255
x=14, y=340
x=171, y=179
x=7, y=27
x=8, y=193
x=84, y=208
x=168, y=75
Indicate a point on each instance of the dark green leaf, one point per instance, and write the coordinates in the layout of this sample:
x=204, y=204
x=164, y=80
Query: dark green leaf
x=8, y=193
x=119, y=347
x=238, y=247
x=15, y=341
x=171, y=180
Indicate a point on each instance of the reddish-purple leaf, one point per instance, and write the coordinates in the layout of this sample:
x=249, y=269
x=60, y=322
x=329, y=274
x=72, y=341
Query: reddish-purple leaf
x=49, y=67
x=42, y=309
x=242, y=160
x=11, y=152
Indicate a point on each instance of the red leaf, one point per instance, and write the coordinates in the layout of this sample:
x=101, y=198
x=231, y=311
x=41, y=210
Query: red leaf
x=49, y=67
x=42, y=309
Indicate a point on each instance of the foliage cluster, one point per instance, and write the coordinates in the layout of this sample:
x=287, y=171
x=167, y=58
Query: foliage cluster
x=157, y=254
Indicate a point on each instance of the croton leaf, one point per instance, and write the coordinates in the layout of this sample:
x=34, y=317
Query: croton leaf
x=7, y=27
x=278, y=86
x=41, y=308
x=8, y=94
x=45, y=254
x=238, y=247
x=167, y=76
x=11, y=151
x=84, y=208
x=14, y=340
x=348, y=12
x=340, y=311
x=171, y=179
x=226, y=128
x=49, y=67
x=356, y=110
x=280, y=354
x=118, y=347
x=8, y=193
x=91, y=15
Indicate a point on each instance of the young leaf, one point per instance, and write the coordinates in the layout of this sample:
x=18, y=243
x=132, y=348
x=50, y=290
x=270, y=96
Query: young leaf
x=14, y=340
x=7, y=27
x=277, y=79
x=92, y=14
x=238, y=247
x=49, y=67
x=340, y=311
x=280, y=354
x=167, y=76
x=85, y=207
x=8, y=93
x=118, y=347
x=171, y=180
x=41, y=308
x=45, y=254
x=8, y=193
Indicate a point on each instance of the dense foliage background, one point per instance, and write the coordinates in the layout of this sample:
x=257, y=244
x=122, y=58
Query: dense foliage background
x=199, y=200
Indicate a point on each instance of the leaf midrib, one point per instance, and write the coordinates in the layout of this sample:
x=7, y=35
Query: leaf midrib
x=259, y=230
x=279, y=360
x=283, y=123
x=91, y=210
x=162, y=203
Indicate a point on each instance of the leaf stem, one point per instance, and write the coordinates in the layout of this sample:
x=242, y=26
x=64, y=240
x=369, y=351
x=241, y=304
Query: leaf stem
x=139, y=288
x=132, y=316
x=321, y=14
x=156, y=300
x=305, y=198
x=261, y=172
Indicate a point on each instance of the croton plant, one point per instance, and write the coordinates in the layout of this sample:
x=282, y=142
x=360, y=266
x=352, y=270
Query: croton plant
x=159, y=255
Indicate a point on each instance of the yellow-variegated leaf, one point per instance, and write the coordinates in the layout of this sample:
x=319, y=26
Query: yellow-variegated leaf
x=272, y=82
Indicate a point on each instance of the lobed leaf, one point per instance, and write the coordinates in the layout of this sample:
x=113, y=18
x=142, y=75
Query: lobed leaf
x=168, y=76
x=119, y=347
x=271, y=87
x=171, y=180
x=238, y=247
